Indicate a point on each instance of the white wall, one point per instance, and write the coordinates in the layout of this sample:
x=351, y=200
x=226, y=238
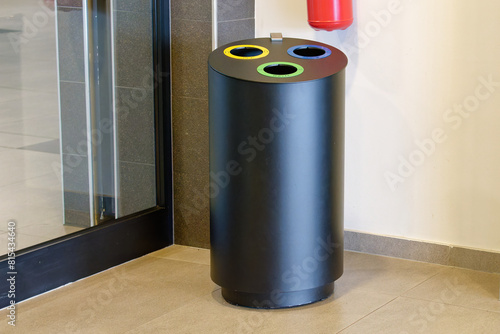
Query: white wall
x=408, y=72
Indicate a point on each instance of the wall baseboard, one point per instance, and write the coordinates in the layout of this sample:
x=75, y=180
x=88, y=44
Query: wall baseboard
x=414, y=250
x=422, y=251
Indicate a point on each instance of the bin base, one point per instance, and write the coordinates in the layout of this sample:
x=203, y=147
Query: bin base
x=278, y=300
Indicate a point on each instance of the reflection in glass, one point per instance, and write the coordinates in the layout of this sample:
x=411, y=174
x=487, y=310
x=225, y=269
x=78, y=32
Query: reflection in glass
x=134, y=99
x=77, y=140
x=30, y=160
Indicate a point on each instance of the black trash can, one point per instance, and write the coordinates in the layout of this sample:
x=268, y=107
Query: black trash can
x=276, y=170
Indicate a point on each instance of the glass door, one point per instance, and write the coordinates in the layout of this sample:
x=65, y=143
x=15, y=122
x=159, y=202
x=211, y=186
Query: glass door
x=85, y=138
x=30, y=160
x=109, y=170
x=77, y=115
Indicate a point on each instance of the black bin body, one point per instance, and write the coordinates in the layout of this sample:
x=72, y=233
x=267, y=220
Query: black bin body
x=276, y=171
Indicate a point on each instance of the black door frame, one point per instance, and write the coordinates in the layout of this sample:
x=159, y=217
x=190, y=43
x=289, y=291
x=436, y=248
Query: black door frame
x=60, y=261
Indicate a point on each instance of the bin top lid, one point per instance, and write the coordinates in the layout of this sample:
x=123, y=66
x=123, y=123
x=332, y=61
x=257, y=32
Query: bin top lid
x=291, y=60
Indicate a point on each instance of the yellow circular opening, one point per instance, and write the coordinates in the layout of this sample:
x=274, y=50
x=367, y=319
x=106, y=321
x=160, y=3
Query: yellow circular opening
x=246, y=52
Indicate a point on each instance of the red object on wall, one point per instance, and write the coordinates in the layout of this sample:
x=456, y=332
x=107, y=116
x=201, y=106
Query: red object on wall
x=329, y=14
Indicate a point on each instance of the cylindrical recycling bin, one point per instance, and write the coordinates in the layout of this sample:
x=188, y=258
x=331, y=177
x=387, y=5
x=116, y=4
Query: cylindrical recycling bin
x=276, y=170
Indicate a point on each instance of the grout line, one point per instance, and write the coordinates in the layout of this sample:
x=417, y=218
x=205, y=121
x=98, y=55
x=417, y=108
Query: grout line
x=425, y=280
x=395, y=257
x=25, y=135
x=188, y=20
x=186, y=303
x=24, y=180
x=177, y=260
x=136, y=88
x=236, y=20
x=136, y=163
x=72, y=7
x=189, y=97
x=449, y=304
x=26, y=148
x=74, y=82
x=28, y=90
x=132, y=11
x=375, y=310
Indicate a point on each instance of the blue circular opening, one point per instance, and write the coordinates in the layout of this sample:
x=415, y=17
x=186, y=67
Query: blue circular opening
x=309, y=51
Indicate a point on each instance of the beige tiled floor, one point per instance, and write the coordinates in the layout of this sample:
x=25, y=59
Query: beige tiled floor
x=170, y=291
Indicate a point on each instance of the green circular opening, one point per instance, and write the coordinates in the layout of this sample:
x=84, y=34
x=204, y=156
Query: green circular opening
x=280, y=69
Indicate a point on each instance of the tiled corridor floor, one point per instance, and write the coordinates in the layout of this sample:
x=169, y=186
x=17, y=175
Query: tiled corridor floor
x=170, y=291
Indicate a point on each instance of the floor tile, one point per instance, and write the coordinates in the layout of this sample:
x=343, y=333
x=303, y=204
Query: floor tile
x=21, y=241
x=330, y=315
x=26, y=105
x=8, y=94
x=462, y=287
x=184, y=253
x=116, y=300
x=19, y=165
x=51, y=146
x=170, y=291
x=28, y=215
x=48, y=230
x=51, y=181
x=10, y=140
x=33, y=201
x=42, y=126
x=405, y=316
x=384, y=274
x=34, y=192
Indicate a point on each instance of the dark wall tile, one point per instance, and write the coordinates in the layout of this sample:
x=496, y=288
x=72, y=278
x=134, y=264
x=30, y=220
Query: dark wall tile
x=135, y=108
x=77, y=201
x=191, y=45
x=231, y=31
x=235, y=9
x=75, y=175
x=76, y=190
x=135, y=125
x=70, y=39
x=76, y=218
x=137, y=187
x=133, y=48
x=73, y=118
x=69, y=3
x=192, y=211
x=73, y=110
x=198, y=10
x=133, y=5
x=190, y=125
